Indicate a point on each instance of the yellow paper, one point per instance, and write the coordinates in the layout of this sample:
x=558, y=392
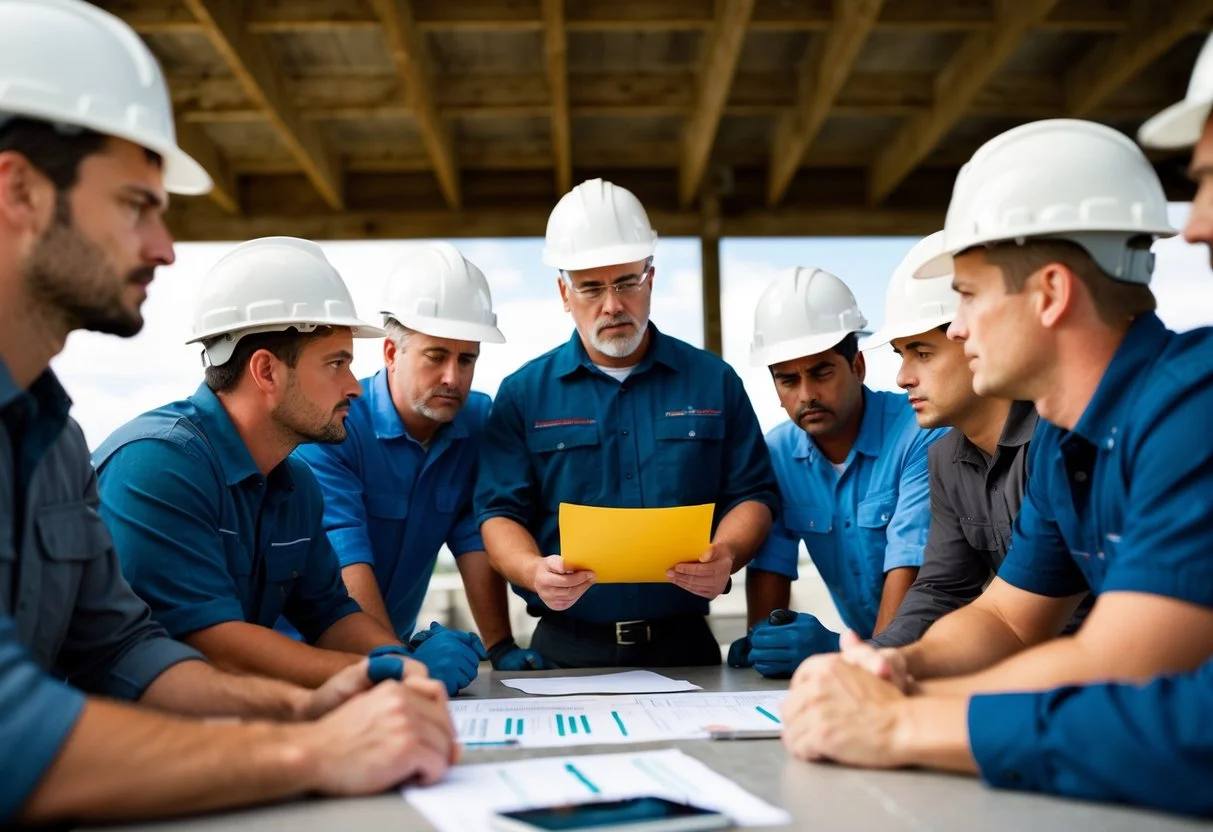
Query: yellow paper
x=633, y=545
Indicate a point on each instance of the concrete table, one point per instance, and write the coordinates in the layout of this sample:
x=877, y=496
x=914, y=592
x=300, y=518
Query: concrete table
x=819, y=797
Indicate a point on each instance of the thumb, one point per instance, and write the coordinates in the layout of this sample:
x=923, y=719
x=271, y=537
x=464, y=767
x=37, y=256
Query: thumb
x=709, y=555
x=555, y=564
x=849, y=639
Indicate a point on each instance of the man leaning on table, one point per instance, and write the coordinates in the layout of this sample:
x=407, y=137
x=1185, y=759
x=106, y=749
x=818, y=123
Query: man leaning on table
x=1150, y=744
x=624, y=416
x=98, y=706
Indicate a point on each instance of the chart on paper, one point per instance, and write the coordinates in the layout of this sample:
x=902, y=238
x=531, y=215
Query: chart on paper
x=585, y=720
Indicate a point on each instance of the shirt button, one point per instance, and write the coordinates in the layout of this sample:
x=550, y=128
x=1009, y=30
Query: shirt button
x=628, y=475
x=884, y=518
x=560, y=446
x=691, y=434
x=294, y=573
x=625, y=432
x=1080, y=476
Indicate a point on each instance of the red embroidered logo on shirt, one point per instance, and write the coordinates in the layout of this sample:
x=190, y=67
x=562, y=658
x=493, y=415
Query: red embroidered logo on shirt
x=555, y=423
x=693, y=412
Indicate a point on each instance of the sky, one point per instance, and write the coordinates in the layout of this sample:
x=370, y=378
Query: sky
x=112, y=380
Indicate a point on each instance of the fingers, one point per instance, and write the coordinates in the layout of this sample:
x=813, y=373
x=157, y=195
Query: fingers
x=850, y=639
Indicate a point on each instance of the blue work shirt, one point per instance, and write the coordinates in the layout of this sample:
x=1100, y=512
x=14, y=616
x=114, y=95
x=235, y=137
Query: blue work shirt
x=69, y=622
x=1123, y=501
x=205, y=538
x=679, y=431
x=863, y=523
x=1151, y=745
x=390, y=503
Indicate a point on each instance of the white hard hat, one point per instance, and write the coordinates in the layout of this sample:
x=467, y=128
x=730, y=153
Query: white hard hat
x=803, y=312
x=436, y=291
x=596, y=224
x=915, y=306
x=271, y=285
x=69, y=63
x=1181, y=124
x=1061, y=178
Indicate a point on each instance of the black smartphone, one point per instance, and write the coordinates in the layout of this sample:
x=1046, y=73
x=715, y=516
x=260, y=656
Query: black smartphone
x=637, y=814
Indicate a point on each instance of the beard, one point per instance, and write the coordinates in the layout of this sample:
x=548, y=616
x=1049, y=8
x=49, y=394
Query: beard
x=435, y=414
x=308, y=422
x=618, y=346
x=69, y=274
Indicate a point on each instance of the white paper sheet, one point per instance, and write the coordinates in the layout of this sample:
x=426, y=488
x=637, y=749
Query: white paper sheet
x=470, y=794
x=589, y=720
x=628, y=681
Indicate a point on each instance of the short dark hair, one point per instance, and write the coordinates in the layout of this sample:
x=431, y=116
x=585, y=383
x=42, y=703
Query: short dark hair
x=848, y=347
x=1116, y=301
x=286, y=346
x=55, y=151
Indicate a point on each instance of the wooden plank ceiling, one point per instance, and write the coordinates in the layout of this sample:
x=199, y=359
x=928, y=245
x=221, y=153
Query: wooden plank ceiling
x=416, y=118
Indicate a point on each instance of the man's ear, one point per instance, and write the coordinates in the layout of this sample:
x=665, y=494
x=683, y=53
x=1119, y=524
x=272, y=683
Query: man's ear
x=389, y=352
x=860, y=366
x=267, y=372
x=1055, y=293
x=27, y=197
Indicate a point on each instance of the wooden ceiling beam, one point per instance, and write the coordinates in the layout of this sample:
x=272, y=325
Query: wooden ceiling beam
x=980, y=56
x=822, y=75
x=407, y=46
x=555, y=51
x=721, y=51
x=1110, y=65
x=258, y=72
x=224, y=191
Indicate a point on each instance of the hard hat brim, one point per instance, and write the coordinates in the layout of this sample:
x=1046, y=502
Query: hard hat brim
x=798, y=348
x=455, y=330
x=889, y=334
x=1176, y=127
x=358, y=328
x=612, y=256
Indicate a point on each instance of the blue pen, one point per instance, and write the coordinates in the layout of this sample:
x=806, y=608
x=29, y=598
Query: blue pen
x=491, y=744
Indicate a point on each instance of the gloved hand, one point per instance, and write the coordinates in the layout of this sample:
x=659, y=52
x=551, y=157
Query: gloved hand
x=739, y=652
x=507, y=655
x=777, y=649
x=451, y=656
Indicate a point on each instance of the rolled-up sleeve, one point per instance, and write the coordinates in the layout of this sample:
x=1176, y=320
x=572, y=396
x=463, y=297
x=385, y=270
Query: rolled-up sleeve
x=37, y=714
x=506, y=485
x=780, y=553
x=747, y=474
x=336, y=470
x=157, y=498
x=1150, y=745
x=465, y=536
x=907, y=530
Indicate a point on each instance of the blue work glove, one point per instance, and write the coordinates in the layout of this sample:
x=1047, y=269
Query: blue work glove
x=739, y=652
x=507, y=655
x=777, y=649
x=451, y=656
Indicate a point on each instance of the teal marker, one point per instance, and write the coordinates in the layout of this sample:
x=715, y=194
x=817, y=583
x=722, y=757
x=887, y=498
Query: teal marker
x=767, y=714
x=491, y=743
x=585, y=781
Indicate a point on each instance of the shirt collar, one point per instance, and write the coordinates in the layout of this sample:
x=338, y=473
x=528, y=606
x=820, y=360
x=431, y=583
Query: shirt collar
x=1142, y=343
x=869, y=441
x=46, y=391
x=386, y=421
x=1017, y=431
x=573, y=357
x=220, y=431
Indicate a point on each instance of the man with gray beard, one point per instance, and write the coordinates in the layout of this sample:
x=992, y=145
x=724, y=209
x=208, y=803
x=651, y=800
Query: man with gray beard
x=217, y=528
x=401, y=485
x=620, y=416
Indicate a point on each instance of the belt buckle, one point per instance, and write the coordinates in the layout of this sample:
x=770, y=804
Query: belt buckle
x=620, y=636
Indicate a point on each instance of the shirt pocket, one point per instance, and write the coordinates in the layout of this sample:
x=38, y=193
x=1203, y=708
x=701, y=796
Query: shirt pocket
x=284, y=565
x=386, y=505
x=688, y=458
x=69, y=536
x=802, y=521
x=568, y=460
x=872, y=516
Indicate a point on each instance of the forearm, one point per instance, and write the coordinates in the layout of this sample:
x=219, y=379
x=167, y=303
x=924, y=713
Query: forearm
x=121, y=763
x=743, y=530
x=361, y=584
x=486, y=594
x=248, y=648
x=357, y=633
x=933, y=732
x=966, y=641
x=197, y=689
x=765, y=592
x=512, y=550
x=897, y=583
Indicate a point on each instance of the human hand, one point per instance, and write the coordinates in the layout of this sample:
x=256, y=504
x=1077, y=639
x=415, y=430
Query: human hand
x=886, y=663
x=777, y=649
x=507, y=655
x=706, y=577
x=557, y=586
x=452, y=656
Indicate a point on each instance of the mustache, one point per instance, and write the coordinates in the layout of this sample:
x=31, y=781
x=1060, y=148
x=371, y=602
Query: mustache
x=344, y=404
x=443, y=390
x=615, y=320
x=144, y=275
x=813, y=406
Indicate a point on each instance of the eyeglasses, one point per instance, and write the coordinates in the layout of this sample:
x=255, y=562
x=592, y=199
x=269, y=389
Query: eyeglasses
x=627, y=285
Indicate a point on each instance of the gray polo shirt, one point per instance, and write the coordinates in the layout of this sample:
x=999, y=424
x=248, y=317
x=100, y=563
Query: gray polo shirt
x=69, y=622
x=974, y=502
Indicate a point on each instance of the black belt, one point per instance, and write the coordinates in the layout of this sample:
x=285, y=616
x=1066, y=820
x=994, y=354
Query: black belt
x=627, y=633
